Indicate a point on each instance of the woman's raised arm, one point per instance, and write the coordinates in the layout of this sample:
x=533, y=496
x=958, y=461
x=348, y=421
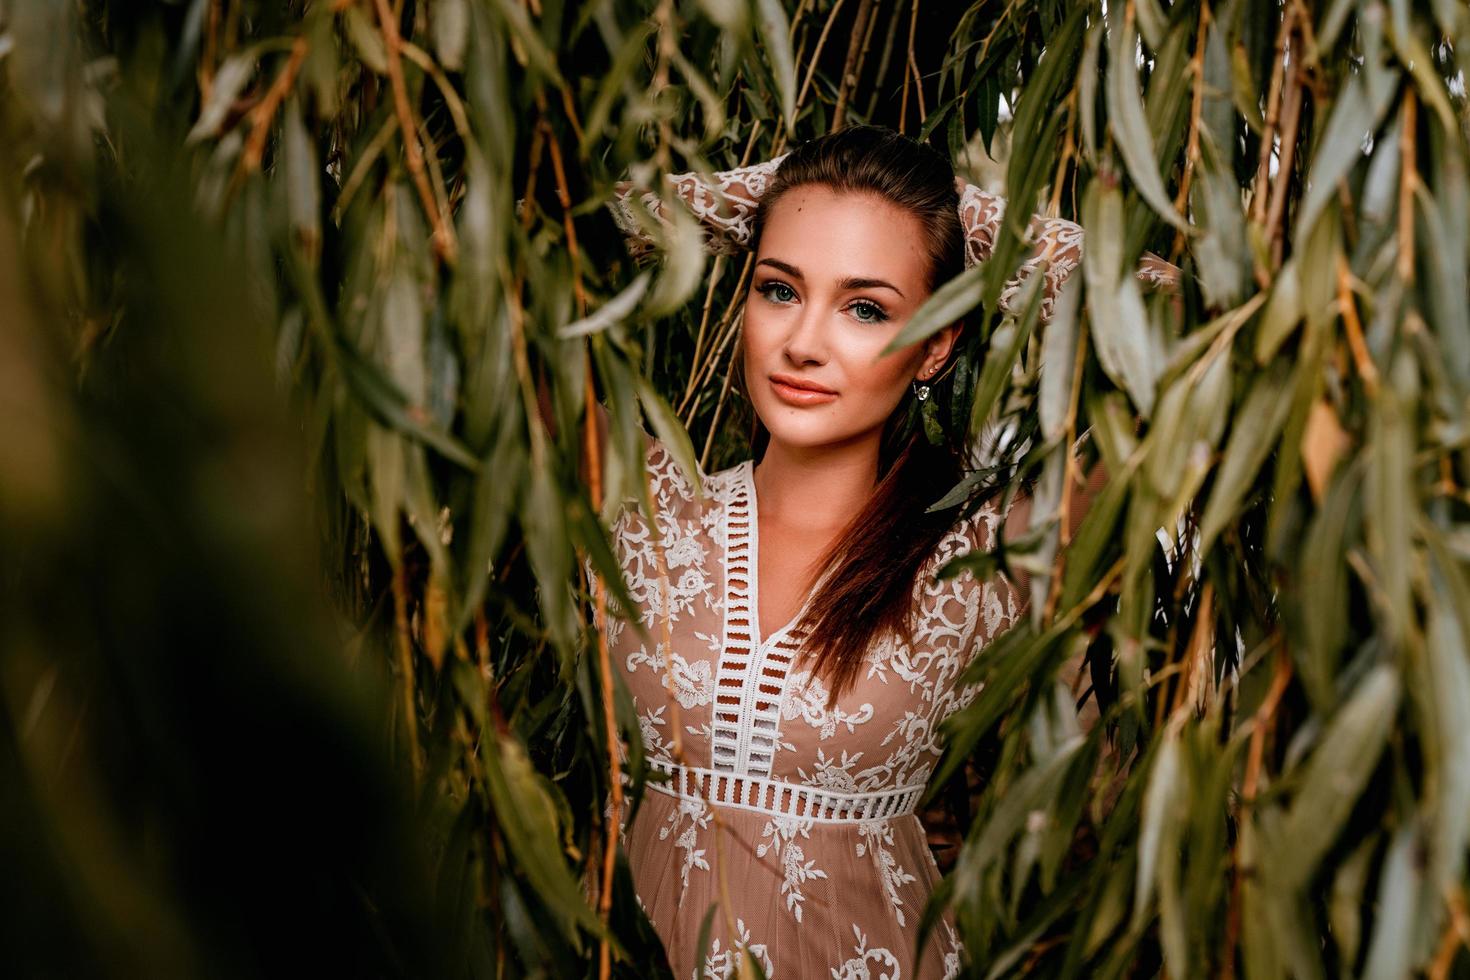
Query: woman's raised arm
x=725, y=205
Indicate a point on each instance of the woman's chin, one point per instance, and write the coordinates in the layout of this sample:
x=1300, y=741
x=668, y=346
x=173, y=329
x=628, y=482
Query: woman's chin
x=807, y=434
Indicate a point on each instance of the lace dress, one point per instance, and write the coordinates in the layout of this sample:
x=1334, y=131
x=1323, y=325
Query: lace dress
x=796, y=822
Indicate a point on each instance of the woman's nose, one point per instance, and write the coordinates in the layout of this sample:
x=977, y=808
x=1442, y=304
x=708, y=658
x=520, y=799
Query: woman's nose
x=807, y=341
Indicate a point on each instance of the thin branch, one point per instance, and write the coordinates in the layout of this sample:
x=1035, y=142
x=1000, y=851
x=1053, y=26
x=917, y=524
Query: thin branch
x=565, y=198
x=912, y=70
x=405, y=666
x=811, y=68
x=857, y=45
x=1273, y=114
x=1196, y=110
x=593, y=451
x=1349, y=310
x=265, y=111
x=444, y=241
x=1280, y=187
x=714, y=422
x=1408, y=175
x=891, y=35
x=1264, y=722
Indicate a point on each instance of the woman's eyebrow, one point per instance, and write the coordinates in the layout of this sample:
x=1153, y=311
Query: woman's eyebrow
x=785, y=267
x=859, y=282
x=850, y=282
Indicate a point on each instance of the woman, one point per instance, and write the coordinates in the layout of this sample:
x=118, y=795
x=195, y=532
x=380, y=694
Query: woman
x=803, y=655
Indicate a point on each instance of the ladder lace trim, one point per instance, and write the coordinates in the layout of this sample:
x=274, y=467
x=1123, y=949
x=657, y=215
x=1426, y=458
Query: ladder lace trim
x=777, y=798
x=751, y=677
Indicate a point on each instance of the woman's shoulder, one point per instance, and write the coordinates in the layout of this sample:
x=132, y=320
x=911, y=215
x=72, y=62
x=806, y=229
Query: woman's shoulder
x=675, y=487
x=968, y=548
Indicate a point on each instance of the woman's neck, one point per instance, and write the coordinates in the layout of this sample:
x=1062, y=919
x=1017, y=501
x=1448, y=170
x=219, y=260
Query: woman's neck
x=816, y=489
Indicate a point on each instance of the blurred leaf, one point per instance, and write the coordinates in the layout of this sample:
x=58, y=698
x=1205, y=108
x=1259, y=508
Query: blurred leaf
x=1391, y=952
x=450, y=19
x=1130, y=128
x=775, y=31
x=365, y=38
x=527, y=816
x=1255, y=427
x=1119, y=322
x=947, y=304
x=613, y=311
x=234, y=72
x=1335, y=774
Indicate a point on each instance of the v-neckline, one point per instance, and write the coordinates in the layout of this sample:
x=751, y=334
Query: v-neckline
x=761, y=640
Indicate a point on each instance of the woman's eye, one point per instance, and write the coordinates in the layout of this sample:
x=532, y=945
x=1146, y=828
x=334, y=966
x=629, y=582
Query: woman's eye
x=868, y=312
x=779, y=292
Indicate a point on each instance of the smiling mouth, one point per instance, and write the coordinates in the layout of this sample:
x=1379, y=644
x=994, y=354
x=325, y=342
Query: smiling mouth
x=795, y=391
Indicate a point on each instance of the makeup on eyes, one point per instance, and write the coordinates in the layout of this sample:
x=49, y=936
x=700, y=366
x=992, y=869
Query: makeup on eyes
x=774, y=286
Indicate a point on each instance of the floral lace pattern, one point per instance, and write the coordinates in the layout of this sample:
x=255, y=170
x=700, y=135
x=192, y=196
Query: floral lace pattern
x=787, y=878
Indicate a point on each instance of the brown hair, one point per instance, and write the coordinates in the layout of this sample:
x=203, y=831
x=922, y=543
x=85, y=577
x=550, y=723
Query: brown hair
x=873, y=565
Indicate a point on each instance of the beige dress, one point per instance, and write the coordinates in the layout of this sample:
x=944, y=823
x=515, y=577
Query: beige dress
x=795, y=822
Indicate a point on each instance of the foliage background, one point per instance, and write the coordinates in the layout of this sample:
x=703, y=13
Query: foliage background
x=211, y=769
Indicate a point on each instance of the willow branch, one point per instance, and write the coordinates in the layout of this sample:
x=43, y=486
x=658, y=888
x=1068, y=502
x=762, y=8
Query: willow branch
x=1408, y=175
x=444, y=241
x=857, y=45
x=265, y=111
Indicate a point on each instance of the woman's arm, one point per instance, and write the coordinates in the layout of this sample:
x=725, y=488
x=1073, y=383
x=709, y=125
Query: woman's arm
x=725, y=205
x=1058, y=249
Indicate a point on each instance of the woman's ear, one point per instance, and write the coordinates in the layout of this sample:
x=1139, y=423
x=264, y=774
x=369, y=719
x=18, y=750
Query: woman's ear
x=938, y=347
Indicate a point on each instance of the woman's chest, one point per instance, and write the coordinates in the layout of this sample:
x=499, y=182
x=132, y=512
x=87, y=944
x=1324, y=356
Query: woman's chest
x=713, y=689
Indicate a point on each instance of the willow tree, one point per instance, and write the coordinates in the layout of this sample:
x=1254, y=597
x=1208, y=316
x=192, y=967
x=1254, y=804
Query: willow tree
x=1270, y=599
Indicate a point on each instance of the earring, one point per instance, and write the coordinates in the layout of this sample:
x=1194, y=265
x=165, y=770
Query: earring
x=921, y=392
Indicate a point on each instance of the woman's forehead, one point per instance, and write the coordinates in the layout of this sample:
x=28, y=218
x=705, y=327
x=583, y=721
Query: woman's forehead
x=836, y=235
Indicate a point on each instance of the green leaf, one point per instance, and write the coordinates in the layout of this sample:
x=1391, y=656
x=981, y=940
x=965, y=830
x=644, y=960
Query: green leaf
x=529, y=45
x=1159, y=808
x=775, y=31
x=946, y=305
x=1333, y=777
x=1124, y=339
x=229, y=81
x=1282, y=314
x=1006, y=345
x=1392, y=951
x=303, y=182
x=1129, y=124
x=526, y=814
x=366, y=39
x=671, y=433
x=1254, y=430
x=450, y=20
x=1058, y=351
x=1353, y=118
x=613, y=311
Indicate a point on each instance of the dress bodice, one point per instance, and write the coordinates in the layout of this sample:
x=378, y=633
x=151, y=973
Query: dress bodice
x=746, y=706
x=739, y=724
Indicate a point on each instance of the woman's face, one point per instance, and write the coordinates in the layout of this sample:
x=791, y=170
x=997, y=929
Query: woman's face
x=837, y=275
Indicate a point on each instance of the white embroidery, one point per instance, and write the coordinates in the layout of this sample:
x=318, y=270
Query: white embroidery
x=857, y=967
x=779, y=837
x=878, y=841
x=689, y=838
x=720, y=964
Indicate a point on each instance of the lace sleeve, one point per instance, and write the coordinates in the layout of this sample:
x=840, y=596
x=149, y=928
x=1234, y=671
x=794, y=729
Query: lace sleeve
x=725, y=203
x=1058, y=248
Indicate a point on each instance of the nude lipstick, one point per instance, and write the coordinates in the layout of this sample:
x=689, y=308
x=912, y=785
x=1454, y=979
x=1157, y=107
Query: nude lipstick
x=800, y=392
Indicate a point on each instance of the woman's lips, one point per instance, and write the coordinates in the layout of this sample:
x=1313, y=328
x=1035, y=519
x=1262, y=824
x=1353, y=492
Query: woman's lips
x=794, y=391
